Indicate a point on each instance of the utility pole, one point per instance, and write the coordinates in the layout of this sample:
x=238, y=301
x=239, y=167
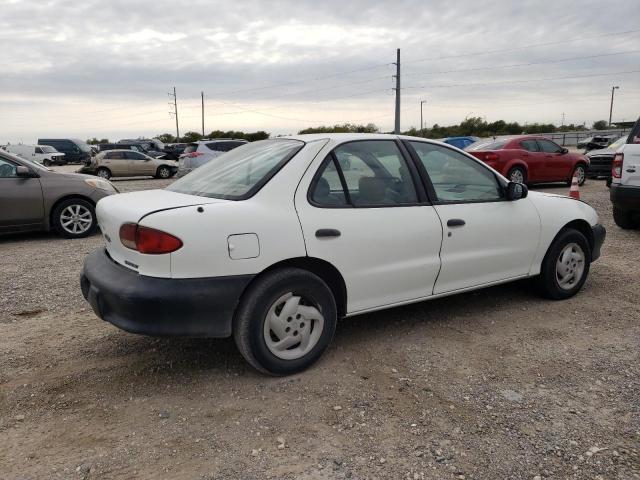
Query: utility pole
x=397, y=89
x=202, y=96
x=562, y=123
x=175, y=111
x=422, y=102
x=613, y=89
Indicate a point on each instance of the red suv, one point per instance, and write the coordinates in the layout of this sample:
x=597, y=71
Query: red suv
x=531, y=159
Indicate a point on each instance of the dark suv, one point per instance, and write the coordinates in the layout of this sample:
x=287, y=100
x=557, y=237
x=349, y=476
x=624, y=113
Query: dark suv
x=75, y=151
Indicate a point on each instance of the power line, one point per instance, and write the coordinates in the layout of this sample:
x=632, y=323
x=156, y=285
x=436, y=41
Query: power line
x=514, y=65
x=524, y=47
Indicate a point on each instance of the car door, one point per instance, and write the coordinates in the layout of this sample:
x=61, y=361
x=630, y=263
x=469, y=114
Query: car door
x=557, y=165
x=139, y=164
x=534, y=158
x=362, y=210
x=117, y=162
x=487, y=239
x=21, y=199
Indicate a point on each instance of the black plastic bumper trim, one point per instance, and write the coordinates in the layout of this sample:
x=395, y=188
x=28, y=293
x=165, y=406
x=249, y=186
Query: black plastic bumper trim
x=599, y=234
x=191, y=307
x=626, y=197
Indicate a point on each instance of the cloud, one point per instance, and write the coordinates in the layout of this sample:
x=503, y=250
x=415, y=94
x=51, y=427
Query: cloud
x=103, y=67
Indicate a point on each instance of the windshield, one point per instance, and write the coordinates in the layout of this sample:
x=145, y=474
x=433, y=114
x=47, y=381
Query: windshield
x=82, y=145
x=618, y=143
x=48, y=149
x=240, y=173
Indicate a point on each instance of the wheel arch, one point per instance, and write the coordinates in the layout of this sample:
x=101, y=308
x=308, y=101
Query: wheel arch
x=64, y=198
x=323, y=269
x=516, y=163
x=583, y=227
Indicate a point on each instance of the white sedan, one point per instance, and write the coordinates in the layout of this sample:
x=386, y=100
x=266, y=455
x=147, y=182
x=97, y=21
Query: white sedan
x=275, y=240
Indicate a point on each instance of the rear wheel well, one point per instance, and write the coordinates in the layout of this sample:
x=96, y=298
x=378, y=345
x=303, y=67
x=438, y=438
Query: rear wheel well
x=63, y=199
x=323, y=269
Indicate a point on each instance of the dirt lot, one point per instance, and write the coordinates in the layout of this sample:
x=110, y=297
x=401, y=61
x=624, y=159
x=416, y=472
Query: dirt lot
x=494, y=384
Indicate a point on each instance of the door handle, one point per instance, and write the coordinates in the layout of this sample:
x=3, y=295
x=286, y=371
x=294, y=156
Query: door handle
x=455, y=222
x=327, y=232
x=631, y=170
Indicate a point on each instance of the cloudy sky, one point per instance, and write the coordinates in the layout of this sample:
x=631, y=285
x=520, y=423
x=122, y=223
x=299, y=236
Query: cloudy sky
x=103, y=68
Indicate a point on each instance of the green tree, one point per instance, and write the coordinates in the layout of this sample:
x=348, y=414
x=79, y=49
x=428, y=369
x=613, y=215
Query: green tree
x=95, y=141
x=600, y=125
x=166, y=138
x=344, y=128
x=191, y=137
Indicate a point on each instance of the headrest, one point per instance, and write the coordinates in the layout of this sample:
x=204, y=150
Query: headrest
x=372, y=190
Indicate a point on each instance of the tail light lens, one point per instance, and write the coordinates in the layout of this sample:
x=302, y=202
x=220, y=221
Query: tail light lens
x=491, y=157
x=148, y=240
x=194, y=154
x=616, y=168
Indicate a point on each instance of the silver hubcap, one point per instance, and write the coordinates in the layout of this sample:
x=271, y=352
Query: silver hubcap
x=517, y=176
x=570, y=266
x=164, y=173
x=76, y=219
x=580, y=174
x=292, y=327
x=103, y=174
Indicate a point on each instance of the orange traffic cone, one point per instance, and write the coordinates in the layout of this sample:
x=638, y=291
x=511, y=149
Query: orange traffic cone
x=574, y=191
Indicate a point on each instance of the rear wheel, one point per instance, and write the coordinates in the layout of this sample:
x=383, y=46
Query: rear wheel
x=517, y=174
x=103, y=173
x=285, y=321
x=163, y=172
x=565, y=266
x=74, y=218
x=622, y=218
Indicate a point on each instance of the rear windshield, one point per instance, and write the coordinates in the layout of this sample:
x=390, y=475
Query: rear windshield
x=240, y=173
x=489, y=145
x=192, y=147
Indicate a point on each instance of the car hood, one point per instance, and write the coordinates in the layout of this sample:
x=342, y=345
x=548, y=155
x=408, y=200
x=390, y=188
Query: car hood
x=601, y=151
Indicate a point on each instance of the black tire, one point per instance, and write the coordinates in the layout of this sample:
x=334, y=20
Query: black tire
x=250, y=317
x=547, y=280
x=163, y=172
x=103, y=172
x=62, y=206
x=623, y=218
x=47, y=163
x=584, y=176
x=517, y=169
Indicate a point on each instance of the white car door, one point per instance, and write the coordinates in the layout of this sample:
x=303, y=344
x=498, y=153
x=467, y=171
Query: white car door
x=363, y=209
x=487, y=239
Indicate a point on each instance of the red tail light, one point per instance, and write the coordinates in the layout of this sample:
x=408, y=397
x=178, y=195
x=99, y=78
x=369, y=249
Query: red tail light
x=491, y=157
x=148, y=240
x=616, y=168
x=194, y=154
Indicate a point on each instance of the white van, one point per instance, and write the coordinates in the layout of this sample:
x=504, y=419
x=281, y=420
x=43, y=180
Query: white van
x=43, y=154
x=625, y=181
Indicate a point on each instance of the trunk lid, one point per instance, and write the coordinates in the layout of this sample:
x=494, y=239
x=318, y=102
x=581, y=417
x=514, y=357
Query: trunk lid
x=115, y=210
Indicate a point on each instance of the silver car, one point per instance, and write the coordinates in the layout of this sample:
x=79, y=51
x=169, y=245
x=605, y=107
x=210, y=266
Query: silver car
x=197, y=154
x=33, y=197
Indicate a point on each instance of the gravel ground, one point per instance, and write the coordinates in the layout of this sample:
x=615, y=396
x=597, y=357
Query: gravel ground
x=495, y=384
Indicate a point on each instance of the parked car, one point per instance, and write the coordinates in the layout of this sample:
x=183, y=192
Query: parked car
x=151, y=146
x=174, y=150
x=461, y=142
x=197, y=154
x=128, y=163
x=75, y=150
x=32, y=197
x=601, y=160
x=595, y=142
x=625, y=181
x=43, y=154
x=531, y=159
x=274, y=241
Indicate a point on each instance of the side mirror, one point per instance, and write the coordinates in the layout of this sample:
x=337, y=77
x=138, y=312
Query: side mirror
x=516, y=191
x=24, y=172
x=564, y=151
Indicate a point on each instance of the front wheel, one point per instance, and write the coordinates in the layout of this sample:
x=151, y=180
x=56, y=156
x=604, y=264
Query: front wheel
x=163, y=172
x=47, y=163
x=285, y=321
x=565, y=266
x=104, y=173
x=74, y=218
x=581, y=172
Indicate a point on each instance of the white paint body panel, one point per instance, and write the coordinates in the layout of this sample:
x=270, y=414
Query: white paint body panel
x=630, y=165
x=387, y=256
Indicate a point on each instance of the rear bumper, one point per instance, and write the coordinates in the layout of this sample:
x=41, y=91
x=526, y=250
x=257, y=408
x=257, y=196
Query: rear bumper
x=599, y=234
x=600, y=166
x=192, y=307
x=625, y=197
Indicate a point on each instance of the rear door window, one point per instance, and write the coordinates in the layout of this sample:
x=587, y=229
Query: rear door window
x=529, y=145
